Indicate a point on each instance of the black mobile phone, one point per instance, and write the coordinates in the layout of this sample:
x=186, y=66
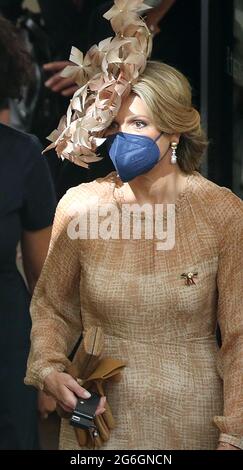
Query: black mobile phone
x=84, y=413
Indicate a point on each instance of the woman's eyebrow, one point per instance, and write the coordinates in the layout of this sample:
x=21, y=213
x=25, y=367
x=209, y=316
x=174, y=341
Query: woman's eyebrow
x=136, y=116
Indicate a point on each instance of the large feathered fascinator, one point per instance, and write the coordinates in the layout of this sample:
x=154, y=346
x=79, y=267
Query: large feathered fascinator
x=104, y=75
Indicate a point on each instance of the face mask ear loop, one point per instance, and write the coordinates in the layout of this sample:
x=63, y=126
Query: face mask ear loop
x=157, y=138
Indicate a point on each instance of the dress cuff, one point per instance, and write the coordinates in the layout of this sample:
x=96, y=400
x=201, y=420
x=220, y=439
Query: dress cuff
x=236, y=441
x=37, y=380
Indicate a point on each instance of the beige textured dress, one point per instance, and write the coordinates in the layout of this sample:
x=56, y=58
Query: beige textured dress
x=171, y=394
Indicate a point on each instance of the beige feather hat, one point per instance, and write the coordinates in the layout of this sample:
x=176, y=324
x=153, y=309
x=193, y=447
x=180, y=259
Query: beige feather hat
x=104, y=76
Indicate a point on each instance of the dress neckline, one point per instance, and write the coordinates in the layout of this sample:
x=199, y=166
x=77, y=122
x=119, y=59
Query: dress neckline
x=123, y=205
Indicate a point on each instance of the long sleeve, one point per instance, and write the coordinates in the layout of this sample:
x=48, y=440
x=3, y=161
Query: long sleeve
x=230, y=318
x=55, y=306
x=38, y=200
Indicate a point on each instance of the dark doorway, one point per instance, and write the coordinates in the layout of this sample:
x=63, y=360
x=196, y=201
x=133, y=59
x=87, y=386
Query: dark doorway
x=222, y=90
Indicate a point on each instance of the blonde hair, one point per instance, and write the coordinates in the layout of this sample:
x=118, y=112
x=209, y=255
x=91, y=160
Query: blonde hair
x=167, y=94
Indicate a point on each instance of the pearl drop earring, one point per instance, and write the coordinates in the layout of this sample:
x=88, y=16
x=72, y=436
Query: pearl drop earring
x=173, y=156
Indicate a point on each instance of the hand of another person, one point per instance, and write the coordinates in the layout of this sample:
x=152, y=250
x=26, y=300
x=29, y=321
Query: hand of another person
x=226, y=446
x=46, y=404
x=152, y=20
x=64, y=388
x=58, y=84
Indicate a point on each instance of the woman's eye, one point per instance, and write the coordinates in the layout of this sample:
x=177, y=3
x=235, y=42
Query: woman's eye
x=139, y=124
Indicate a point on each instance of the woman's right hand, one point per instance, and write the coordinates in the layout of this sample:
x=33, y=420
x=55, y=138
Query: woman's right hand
x=64, y=388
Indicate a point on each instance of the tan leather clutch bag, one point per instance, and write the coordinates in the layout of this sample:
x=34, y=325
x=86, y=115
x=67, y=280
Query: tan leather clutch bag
x=92, y=371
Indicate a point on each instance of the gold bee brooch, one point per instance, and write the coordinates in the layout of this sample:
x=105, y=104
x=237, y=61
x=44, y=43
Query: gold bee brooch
x=189, y=277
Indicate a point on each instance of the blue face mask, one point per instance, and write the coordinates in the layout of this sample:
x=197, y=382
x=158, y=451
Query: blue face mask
x=132, y=155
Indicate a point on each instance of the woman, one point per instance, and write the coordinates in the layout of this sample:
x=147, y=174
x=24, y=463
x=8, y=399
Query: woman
x=27, y=205
x=160, y=307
